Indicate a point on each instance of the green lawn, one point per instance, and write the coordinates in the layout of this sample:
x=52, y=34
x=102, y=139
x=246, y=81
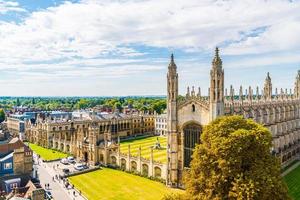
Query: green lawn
x=47, y=154
x=292, y=180
x=146, y=143
x=110, y=184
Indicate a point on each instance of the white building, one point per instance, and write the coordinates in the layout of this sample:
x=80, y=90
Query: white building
x=161, y=124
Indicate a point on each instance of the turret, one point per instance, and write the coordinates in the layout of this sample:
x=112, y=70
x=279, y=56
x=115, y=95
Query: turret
x=268, y=87
x=216, y=92
x=172, y=136
x=297, y=86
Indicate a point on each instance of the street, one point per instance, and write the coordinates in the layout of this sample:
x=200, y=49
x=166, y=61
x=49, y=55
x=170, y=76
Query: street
x=57, y=189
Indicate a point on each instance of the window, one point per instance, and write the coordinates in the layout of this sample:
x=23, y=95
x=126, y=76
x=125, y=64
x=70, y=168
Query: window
x=193, y=108
x=8, y=165
x=13, y=185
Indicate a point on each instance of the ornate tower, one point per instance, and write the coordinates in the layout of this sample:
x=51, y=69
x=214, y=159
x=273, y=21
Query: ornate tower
x=297, y=86
x=268, y=87
x=216, y=92
x=172, y=136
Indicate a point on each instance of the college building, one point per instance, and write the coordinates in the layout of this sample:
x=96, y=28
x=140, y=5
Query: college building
x=278, y=110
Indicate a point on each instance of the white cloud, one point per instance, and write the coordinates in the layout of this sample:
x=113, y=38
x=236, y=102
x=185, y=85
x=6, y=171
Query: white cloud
x=82, y=39
x=10, y=6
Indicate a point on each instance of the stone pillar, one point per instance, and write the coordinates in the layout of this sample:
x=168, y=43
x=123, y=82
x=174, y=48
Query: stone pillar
x=139, y=165
x=151, y=163
x=128, y=159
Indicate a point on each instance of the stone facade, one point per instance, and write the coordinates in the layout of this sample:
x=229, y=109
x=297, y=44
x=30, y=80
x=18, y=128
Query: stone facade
x=15, y=126
x=91, y=137
x=23, y=161
x=187, y=115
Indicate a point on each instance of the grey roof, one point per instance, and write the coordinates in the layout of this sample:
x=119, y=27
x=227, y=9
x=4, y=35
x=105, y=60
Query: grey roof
x=7, y=157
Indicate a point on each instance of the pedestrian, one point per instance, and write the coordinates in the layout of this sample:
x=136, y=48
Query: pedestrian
x=73, y=193
x=80, y=192
x=48, y=185
x=45, y=186
x=53, y=179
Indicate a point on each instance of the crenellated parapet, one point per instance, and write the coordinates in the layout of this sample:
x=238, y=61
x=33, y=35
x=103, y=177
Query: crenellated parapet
x=193, y=97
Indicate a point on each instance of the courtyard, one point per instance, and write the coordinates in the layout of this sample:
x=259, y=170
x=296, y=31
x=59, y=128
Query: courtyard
x=113, y=184
x=47, y=154
x=159, y=155
x=292, y=180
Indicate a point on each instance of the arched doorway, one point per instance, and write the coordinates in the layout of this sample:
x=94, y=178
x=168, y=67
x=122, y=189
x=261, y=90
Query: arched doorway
x=145, y=170
x=192, y=133
x=86, y=157
x=157, y=172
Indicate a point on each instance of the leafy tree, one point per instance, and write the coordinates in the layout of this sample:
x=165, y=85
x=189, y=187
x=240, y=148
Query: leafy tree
x=118, y=106
x=82, y=104
x=234, y=161
x=2, y=115
x=18, y=102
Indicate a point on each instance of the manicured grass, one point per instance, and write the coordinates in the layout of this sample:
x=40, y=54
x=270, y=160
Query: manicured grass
x=110, y=184
x=292, y=180
x=145, y=143
x=47, y=154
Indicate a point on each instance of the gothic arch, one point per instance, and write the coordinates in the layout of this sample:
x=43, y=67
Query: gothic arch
x=133, y=166
x=191, y=132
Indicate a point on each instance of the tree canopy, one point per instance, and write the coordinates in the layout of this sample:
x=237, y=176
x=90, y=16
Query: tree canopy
x=149, y=104
x=2, y=115
x=234, y=161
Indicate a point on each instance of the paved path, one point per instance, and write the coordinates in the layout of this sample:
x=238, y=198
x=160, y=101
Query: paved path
x=59, y=192
x=290, y=169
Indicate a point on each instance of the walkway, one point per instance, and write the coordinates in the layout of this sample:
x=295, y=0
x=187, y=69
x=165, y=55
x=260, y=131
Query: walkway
x=57, y=189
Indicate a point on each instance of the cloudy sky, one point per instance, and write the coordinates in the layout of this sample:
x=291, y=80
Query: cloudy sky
x=122, y=47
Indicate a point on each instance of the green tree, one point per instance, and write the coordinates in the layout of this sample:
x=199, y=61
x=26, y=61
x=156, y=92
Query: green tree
x=2, y=115
x=18, y=102
x=234, y=161
x=82, y=104
x=118, y=106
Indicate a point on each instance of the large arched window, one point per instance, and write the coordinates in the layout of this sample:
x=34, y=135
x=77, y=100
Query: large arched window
x=192, y=133
x=193, y=108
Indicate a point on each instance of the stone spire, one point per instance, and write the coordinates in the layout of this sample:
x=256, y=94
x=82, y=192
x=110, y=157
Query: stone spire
x=217, y=62
x=231, y=93
x=199, y=92
x=250, y=96
x=297, y=86
x=257, y=93
x=172, y=62
x=172, y=134
x=241, y=94
x=268, y=87
x=188, y=92
x=193, y=91
x=216, y=93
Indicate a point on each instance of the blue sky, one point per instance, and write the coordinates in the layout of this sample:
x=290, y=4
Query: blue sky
x=111, y=47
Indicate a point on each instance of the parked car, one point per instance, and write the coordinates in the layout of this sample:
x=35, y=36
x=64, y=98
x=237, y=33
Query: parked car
x=71, y=159
x=48, y=195
x=85, y=166
x=79, y=167
x=64, y=161
x=66, y=171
